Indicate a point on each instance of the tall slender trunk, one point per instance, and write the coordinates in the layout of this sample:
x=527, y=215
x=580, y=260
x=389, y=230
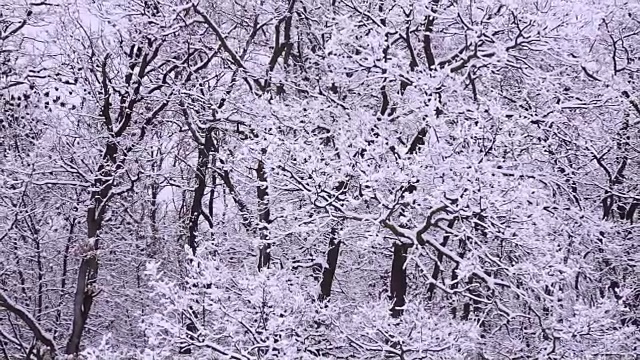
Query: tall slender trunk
x=153, y=247
x=35, y=234
x=462, y=251
x=264, y=216
x=440, y=258
x=112, y=162
x=398, y=283
x=88, y=271
x=618, y=177
x=63, y=277
x=204, y=152
x=328, y=273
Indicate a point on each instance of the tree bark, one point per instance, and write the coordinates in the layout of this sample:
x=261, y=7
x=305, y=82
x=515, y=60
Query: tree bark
x=454, y=277
x=264, y=216
x=103, y=183
x=398, y=279
x=204, y=152
x=440, y=257
x=328, y=273
x=88, y=271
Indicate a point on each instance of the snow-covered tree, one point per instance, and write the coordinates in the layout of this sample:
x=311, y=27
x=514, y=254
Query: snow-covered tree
x=304, y=180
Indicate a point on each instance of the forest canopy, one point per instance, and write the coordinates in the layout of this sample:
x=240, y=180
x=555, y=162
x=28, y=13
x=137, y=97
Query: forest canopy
x=303, y=179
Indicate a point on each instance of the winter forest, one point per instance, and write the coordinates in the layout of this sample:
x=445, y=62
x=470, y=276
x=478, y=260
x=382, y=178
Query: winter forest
x=305, y=179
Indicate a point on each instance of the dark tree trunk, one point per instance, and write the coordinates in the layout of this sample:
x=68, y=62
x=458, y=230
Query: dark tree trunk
x=246, y=218
x=329, y=271
x=398, y=279
x=632, y=210
x=264, y=255
x=88, y=271
x=618, y=177
x=473, y=307
x=153, y=247
x=264, y=216
x=440, y=257
x=426, y=41
x=476, y=309
x=417, y=141
x=454, y=277
x=63, y=277
x=191, y=329
x=466, y=311
x=103, y=184
x=204, y=152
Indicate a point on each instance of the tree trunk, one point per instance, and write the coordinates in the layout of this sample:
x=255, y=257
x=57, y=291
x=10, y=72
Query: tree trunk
x=264, y=216
x=329, y=271
x=398, y=279
x=87, y=276
x=440, y=257
x=88, y=271
x=454, y=277
x=204, y=152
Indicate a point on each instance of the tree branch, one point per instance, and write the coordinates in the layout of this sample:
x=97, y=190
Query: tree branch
x=31, y=323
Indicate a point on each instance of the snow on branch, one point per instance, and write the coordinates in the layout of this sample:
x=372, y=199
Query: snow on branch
x=29, y=320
